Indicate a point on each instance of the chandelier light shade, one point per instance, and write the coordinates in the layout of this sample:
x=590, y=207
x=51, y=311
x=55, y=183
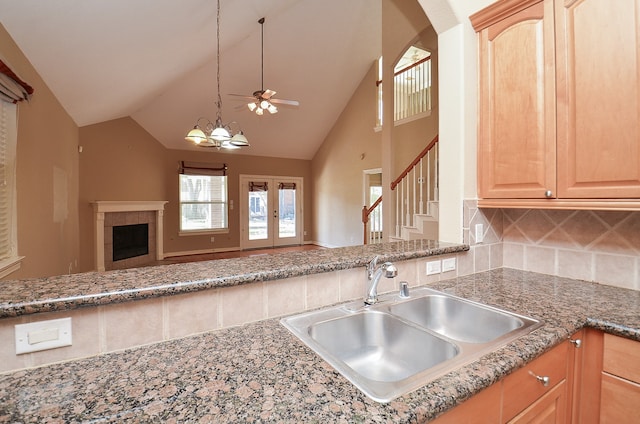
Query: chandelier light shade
x=216, y=134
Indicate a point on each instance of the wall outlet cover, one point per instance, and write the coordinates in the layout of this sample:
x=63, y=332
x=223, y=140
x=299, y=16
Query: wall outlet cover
x=433, y=267
x=479, y=233
x=43, y=335
x=448, y=264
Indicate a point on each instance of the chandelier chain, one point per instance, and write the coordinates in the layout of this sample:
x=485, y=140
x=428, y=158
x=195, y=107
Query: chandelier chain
x=219, y=115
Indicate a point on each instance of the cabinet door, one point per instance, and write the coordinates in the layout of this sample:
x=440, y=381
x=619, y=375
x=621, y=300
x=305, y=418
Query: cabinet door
x=549, y=409
x=522, y=388
x=516, y=148
x=619, y=400
x=598, y=54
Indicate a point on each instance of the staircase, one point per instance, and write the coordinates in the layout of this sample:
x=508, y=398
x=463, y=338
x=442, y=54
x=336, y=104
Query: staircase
x=416, y=200
x=424, y=226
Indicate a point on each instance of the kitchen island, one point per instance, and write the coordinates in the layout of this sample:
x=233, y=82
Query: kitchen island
x=259, y=372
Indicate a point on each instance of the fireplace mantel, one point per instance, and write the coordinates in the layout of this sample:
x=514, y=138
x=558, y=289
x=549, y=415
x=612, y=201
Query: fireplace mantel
x=101, y=207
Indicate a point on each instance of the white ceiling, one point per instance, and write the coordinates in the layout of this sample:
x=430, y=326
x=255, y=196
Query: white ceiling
x=154, y=60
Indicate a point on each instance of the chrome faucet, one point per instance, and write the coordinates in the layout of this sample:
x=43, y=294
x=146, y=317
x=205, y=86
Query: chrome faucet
x=374, y=273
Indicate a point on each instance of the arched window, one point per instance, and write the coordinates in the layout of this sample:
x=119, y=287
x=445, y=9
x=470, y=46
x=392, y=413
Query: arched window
x=412, y=85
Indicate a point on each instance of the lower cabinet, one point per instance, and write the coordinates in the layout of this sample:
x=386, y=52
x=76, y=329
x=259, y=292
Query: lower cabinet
x=592, y=378
x=540, y=392
x=611, y=380
x=483, y=408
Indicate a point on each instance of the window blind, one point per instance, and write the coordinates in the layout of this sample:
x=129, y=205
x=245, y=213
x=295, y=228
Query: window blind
x=12, y=88
x=287, y=186
x=8, y=138
x=258, y=186
x=203, y=168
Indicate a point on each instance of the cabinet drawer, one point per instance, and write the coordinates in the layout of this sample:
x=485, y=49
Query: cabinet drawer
x=621, y=357
x=522, y=388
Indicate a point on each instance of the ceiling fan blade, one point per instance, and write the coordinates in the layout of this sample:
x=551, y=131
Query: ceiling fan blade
x=285, y=102
x=242, y=96
x=268, y=94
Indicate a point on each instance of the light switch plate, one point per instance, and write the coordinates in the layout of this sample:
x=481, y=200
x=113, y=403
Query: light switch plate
x=43, y=335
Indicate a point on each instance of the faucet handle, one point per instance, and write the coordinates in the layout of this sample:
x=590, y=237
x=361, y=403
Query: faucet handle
x=404, y=290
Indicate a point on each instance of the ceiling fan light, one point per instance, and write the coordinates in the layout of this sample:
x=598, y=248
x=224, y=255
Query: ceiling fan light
x=265, y=104
x=259, y=111
x=239, y=140
x=272, y=109
x=196, y=135
x=252, y=106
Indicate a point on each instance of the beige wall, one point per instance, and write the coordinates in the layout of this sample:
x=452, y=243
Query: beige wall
x=121, y=161
x=351, y=146
x=47, y=176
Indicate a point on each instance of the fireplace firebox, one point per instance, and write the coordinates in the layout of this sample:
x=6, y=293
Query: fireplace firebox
x=130, y=241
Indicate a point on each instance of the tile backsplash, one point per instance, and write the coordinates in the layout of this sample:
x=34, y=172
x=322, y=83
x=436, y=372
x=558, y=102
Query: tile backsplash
x=602, y=246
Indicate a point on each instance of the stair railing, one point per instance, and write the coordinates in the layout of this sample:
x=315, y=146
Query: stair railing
x=373, y=215
x=415, y=191
x=415, y=194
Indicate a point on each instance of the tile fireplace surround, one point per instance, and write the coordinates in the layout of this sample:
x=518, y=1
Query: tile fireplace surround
x=110, y=213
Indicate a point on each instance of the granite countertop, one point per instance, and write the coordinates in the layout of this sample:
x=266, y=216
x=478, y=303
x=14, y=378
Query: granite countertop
x=22, y=297
x=260, y=372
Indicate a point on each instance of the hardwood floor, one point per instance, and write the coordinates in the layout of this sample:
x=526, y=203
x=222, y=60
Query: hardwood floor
x=235, y=254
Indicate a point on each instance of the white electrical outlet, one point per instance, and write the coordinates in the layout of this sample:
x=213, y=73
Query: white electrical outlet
x=448, y=264
x=213, y=239
x=433, y=267
x=43, y=335
x=479, y=233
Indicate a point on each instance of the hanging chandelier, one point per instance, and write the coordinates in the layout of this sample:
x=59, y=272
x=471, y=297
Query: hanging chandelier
x=216, y=134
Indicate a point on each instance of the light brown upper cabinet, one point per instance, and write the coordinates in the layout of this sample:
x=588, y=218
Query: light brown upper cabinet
x=559, y=104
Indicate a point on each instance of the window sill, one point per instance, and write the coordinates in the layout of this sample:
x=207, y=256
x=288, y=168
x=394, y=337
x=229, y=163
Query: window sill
x=202, y=232
x=7, y=266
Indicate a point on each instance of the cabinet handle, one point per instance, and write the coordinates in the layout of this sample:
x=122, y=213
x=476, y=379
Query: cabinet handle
x=548, y=193
x=576, y=343
x=544, y=380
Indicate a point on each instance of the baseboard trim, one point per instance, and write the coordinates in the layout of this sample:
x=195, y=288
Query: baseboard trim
x=201, y=252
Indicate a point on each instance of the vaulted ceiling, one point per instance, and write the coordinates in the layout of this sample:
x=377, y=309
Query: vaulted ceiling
x=155, y=60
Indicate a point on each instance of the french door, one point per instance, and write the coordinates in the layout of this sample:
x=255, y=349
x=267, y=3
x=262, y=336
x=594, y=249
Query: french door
x=270, y=211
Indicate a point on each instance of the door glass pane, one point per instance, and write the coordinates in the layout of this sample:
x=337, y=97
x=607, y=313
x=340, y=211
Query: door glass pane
x=375, y=192
x=258, y=215
x=287, y=208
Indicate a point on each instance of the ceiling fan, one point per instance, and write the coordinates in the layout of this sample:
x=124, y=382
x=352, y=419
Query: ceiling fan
x=263, y=99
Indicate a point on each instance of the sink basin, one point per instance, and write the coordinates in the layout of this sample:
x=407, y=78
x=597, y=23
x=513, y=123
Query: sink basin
x=398, y=344
x=380, y=347
x=457, y=319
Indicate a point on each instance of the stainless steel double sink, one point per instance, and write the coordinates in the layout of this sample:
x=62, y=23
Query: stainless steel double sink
x=398, y=345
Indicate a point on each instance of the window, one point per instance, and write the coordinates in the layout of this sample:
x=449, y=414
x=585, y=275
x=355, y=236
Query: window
x=203, y=198
x=9, y=260
x=12, y=91
x=412, y=85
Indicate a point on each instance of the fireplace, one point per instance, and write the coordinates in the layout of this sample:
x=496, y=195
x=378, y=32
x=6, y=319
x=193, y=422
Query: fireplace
x=142, y=245
x=130, y=241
